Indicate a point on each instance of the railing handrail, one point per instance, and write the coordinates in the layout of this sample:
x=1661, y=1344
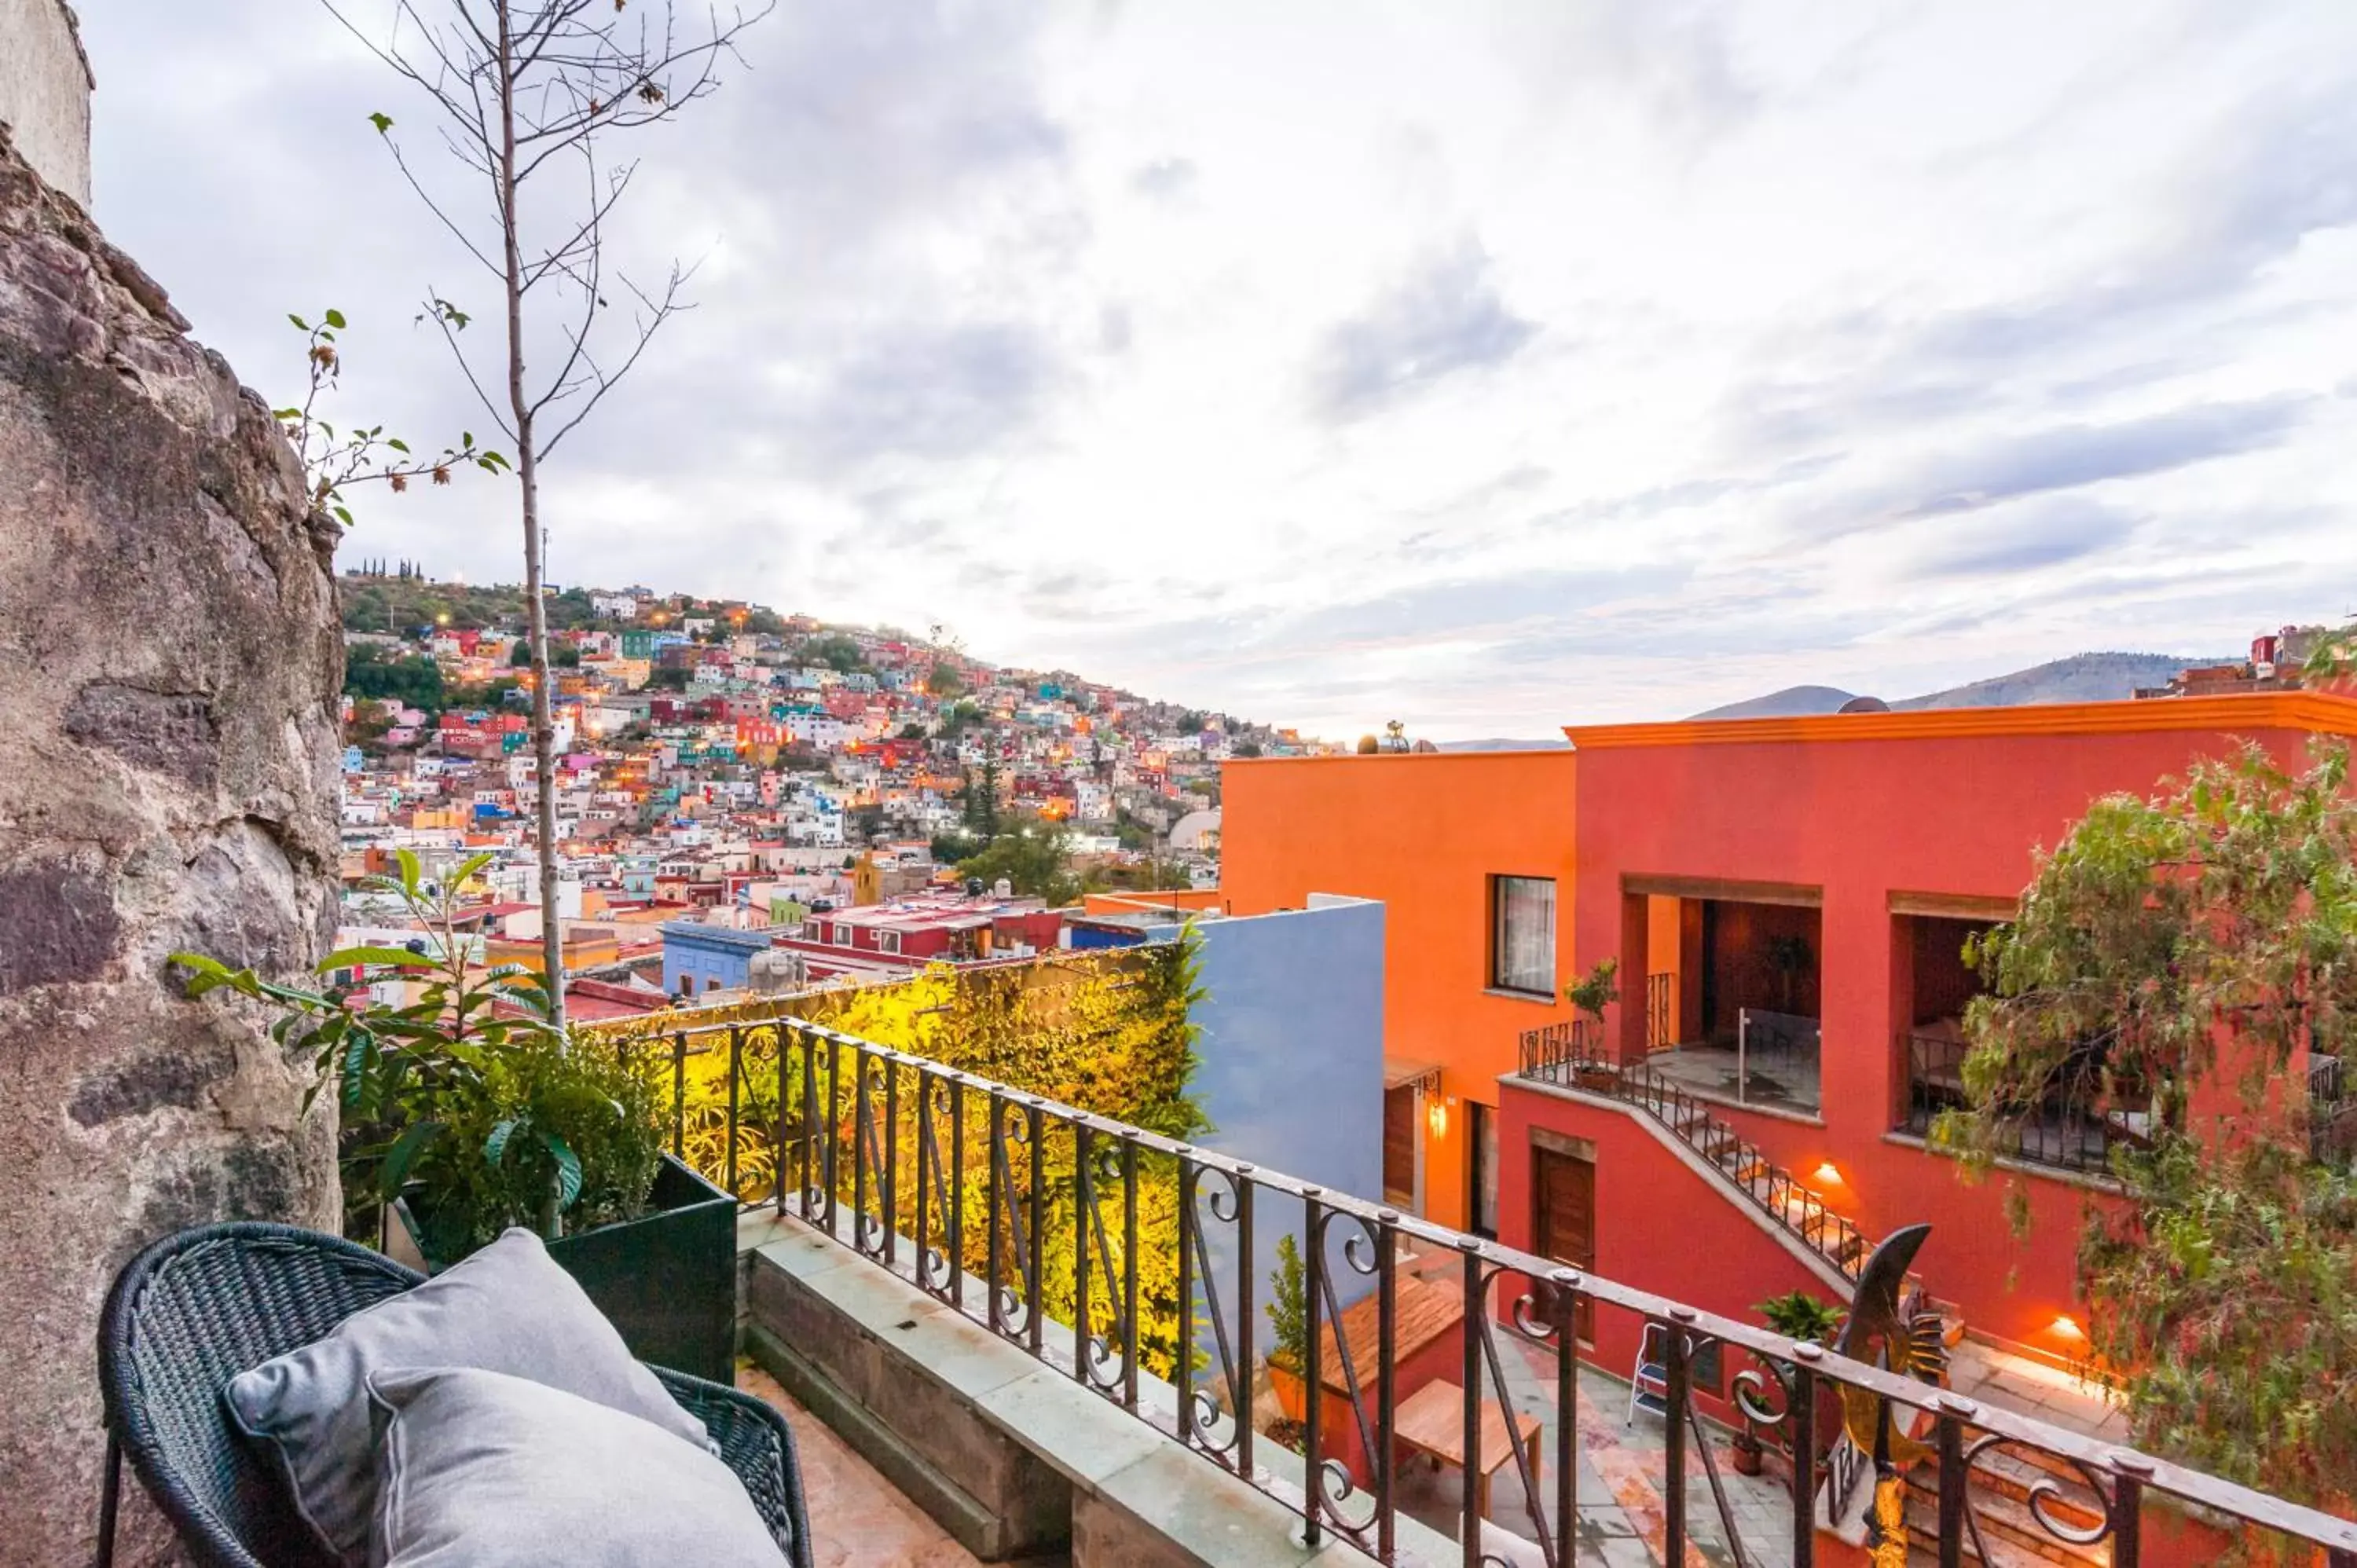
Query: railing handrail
x=1639, y=1084
x=2130, y=1472
x=2195, y=1486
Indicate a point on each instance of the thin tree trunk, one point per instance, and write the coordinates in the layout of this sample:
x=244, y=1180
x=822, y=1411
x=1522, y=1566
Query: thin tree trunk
x=543, y=725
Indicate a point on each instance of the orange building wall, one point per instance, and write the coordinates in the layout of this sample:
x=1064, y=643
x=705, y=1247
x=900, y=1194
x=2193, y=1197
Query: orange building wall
x=1423, y=833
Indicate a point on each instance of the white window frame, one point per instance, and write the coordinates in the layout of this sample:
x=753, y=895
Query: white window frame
x=842, y=930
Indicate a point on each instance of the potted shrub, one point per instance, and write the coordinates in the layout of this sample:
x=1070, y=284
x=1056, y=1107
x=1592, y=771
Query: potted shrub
x=1588, y=997
x=1288, y=1315
x=1796, y=1314
x=465, y=1112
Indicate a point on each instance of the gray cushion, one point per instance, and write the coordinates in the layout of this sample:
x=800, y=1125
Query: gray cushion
x=508, y=1308
x=476, y=1470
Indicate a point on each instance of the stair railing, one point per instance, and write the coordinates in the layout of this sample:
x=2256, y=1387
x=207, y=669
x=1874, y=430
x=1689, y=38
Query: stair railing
x=1560, y=1053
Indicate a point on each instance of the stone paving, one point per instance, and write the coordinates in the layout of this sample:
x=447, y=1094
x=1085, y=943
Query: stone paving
x=857, y=1517
x=1621, y=1514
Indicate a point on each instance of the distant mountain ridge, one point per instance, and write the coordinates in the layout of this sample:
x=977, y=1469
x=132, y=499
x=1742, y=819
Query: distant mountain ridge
x=2109, y=677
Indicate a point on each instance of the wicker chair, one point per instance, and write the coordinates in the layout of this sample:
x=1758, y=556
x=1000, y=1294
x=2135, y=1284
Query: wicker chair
x=195, y=1309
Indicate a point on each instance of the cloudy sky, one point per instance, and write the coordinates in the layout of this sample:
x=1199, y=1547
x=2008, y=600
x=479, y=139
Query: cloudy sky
x=1488, y=367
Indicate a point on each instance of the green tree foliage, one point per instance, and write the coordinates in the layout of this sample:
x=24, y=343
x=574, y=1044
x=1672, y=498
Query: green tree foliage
x=1036, y=860
x=978, y=809
x=372, y=672
x=564, y=656
x=1288, y=1308
x=833, y=652
x=2174, y=954
x=334, y=461
x=949, y=848
x=945, y=681
x=1110, y=1034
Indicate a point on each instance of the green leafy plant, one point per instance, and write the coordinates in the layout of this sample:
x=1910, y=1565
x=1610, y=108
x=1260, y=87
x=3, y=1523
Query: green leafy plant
x=2175, y=965
x=333, y=460
x=553, y=1134
x=454, y=1078
x=1797, y=1315
x=1288, y=1308
x=1111, y=1034
x=1595, y=991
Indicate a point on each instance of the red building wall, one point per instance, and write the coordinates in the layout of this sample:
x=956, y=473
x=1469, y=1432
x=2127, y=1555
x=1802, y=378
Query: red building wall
x=1659, y=1226
x=1864, y=806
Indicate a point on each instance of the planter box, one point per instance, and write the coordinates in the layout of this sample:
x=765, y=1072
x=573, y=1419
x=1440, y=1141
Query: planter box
x=1292, y=1397
x=666, y=1280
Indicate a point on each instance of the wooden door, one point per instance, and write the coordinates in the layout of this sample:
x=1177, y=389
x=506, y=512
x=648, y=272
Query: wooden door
x=1399, y=1147
x=1563, y=1198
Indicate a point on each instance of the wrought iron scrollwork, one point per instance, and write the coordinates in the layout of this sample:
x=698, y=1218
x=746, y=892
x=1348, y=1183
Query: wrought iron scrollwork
x=1104, y=1347
x=2044, y=1498
x=872, y=1225
x=1481, y=1361
x=1334, y=1495
x=941, y=1187
x=1014, y=1313
x=1223, y=1434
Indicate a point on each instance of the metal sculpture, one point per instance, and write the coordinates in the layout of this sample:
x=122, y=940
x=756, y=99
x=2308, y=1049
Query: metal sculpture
x=1890, y=1329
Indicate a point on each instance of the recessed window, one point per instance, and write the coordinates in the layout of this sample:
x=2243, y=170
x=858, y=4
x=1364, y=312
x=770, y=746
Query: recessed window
x=1522, y=935
x=889, y=941
x=841, y=935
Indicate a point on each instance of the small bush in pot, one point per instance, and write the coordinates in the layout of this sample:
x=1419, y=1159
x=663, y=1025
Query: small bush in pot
x=452, y=1079
x=1288, y=1315
x=1797, y=1315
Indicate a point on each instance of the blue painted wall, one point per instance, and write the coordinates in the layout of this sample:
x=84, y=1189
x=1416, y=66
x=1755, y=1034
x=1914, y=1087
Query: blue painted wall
x=706, y=956
x=1291, y=1072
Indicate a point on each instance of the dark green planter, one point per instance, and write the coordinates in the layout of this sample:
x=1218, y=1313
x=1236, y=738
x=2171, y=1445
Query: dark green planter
x=667, y=1280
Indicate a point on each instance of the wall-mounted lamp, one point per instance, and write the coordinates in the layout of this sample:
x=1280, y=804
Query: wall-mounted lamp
x=1829, y=1173
x=1436, y=1115
x=2066, y=1327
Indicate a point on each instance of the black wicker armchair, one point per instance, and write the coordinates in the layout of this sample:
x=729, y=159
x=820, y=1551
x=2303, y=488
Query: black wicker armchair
x=195, y=1309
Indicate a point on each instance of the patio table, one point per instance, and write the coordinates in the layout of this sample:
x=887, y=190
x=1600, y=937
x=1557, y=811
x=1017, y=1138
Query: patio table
x=1433, y=1421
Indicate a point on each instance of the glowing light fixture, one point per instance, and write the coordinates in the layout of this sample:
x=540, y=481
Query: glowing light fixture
x=2066, y=1327
x=1435, y=1116
x=1829, y=1173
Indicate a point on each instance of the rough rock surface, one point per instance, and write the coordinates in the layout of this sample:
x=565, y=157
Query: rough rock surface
x=169, y=660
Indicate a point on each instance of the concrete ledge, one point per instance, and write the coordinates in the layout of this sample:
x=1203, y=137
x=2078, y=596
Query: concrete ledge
x=1009, y=1453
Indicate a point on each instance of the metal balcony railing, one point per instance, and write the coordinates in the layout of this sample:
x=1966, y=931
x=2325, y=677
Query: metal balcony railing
x=2071, y=1128
x=955, y=1182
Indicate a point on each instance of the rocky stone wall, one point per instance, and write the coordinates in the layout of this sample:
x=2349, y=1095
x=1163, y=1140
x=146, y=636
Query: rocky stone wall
x=169, y=664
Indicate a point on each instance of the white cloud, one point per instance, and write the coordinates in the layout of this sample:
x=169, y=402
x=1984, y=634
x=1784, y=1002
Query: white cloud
x=1485, y=367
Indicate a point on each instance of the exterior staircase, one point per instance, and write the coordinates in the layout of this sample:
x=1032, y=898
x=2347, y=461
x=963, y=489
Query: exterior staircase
x=1560, y=1054
x=2002, y=1481
x=2008, y=1533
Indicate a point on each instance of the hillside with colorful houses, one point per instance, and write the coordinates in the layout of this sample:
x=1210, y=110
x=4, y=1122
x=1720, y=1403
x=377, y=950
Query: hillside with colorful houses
x=728, y=770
